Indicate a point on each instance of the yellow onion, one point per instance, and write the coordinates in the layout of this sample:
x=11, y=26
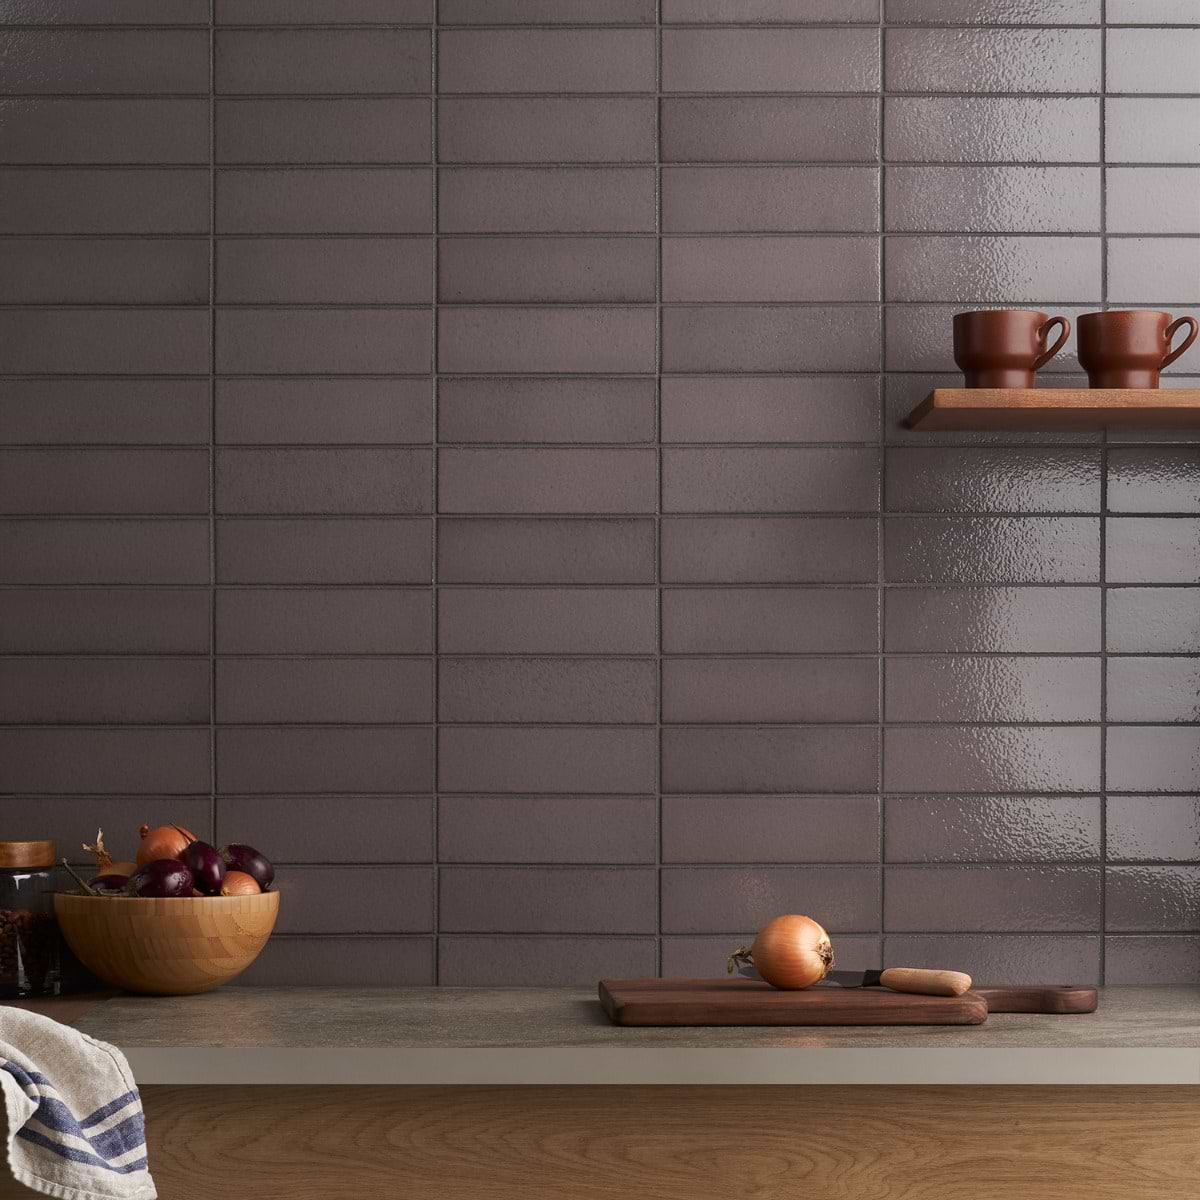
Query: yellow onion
x=167, y=841
x=791, y=953
x=238, y=883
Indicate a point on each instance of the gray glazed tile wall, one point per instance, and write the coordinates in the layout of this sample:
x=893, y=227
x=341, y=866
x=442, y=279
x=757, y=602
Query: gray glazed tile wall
x=456, y=445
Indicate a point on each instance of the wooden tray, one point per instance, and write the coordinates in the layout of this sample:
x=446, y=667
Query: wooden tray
x=1059, y=999
x=751, y=1002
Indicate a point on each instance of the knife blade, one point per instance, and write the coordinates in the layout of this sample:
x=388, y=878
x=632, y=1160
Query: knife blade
x=898, y=979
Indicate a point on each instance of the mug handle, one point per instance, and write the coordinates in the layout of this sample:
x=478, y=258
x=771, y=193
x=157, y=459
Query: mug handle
x=1044, y=329
x=1187, y=341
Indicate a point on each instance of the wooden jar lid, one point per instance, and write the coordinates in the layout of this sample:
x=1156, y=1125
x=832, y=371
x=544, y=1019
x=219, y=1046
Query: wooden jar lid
x=15, y=856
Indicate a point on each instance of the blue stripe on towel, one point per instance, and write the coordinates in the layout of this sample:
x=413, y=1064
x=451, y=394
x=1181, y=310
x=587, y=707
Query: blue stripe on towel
x=108, y=1109
x=79, y=1156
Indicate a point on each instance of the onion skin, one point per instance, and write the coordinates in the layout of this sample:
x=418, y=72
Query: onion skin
x=791, y=953
x=167, y=841
x=238, y=883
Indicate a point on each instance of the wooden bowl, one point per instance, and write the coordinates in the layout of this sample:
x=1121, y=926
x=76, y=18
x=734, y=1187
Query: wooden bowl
x=166, y=947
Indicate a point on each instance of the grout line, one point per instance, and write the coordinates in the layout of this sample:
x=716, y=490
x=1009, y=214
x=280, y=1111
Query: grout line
x=212, y=428
x=658, y=590
x=1103, y=511
x=881, y=537
x=435, y=503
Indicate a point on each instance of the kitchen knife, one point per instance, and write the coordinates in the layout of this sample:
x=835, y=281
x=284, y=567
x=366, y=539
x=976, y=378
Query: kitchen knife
x=898, y=979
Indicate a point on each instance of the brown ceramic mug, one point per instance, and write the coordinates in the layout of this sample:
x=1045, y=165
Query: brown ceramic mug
x=1003, y=347
x=1126, y=348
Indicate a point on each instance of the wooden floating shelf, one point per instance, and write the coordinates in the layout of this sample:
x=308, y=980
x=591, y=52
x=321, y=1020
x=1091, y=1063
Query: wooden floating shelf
x=1056, y=409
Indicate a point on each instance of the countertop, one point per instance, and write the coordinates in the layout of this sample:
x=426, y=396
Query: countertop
x=556, y=1036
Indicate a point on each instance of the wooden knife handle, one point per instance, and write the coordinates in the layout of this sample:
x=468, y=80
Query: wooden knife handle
x=925, y=983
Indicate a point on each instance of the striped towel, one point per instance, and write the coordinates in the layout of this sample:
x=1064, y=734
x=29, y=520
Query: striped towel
x=75, y=1128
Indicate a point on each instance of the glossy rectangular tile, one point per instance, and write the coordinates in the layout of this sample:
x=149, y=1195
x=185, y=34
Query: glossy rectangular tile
x=770, y=269
x=1148, y=758
x=1005, y=270
x=1144, y=270
x=107, y=551
x=330, y=200
x=1159, y=690
x=546, y=60
x=1153, y=549
x=105, y=761
x=769, y=479
x=1153, y=828
x=104, y=341
x=551, y=12
x=1153, y=620
x=325, y=550
x=993, y=481
x=1165, y=12
x=104, y=691
x=313, y=61
x=1044, y=899
x=727, y=899
x=343, y=130
x=547, y=829
x=104, y=201
x=545, y=550
x=1152, y=899
x=323, y=481
x=559, y=340
x=546, y=759
x=343, y=341
x=995, y=12
x=1167, y=960
x=546, y=199
x=365, y=691
x=340, y=270
x=104, y=12
x=299, y=620
x=981, y=550
x=542, y=961
x=547, y=270
x=1033, y=620
x=762, y=829
x=358, y=899
x=764, y=759
x=1014, y=958
x=779, y=129
x=769, y=620
x=769, y=11
x=769, y=550
x=992, y=688
x=770, y=60
x=1151, y=131
x=59, y=818
x=1012, y=758
x=1152, y=60
x=379, y=961
x=992, y=129
x=547, y=900
x=118, y=132
x=770, y=409
x=323, y=412
x=71, y=481
x=771, y=339
x=992, y=829
x=547, y=621
x=984, y=199
x=330, y=759
x=993, y=60
x=347, y=12
x=546, y=130
x=758, y=199
x=111, y=620
x=579, y=691
x=750, y=690
x=105, y=271
x=542, y=410
x=1175, y=207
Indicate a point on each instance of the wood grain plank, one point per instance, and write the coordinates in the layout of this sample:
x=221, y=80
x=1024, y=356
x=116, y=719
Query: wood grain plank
x=694, y=1002
x=1056, y=409
x=674, y=1143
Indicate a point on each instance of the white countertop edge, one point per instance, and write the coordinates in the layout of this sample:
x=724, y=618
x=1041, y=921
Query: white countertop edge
x=616, y=1065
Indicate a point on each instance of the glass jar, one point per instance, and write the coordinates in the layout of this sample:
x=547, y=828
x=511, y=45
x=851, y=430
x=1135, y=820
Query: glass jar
x=29, y=938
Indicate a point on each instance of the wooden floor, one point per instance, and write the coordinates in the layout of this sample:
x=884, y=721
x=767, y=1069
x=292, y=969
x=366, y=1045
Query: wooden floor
x=674, y=1143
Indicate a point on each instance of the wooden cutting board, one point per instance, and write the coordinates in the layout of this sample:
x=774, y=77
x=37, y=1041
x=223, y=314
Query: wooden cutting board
x=752, y=1002
x=1060, y=999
